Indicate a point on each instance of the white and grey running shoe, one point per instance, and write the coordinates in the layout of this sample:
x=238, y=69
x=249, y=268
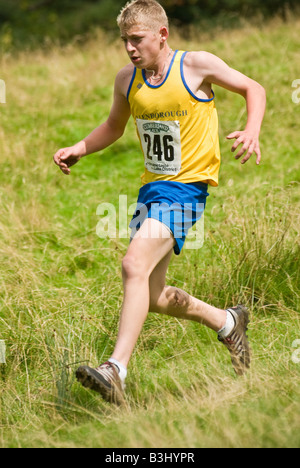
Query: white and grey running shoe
x=237, y=342
x=104, y=380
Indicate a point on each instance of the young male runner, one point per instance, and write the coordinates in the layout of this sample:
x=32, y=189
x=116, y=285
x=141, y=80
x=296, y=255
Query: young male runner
x=170, y=97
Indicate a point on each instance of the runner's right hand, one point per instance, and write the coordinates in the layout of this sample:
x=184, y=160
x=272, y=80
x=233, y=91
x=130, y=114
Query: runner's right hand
x=66, y=158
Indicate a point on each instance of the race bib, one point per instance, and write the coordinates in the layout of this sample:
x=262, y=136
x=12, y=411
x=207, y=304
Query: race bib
x=161, y=145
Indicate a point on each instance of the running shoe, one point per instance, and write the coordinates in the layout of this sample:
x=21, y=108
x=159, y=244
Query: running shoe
x=237, y=342
x=104, y=380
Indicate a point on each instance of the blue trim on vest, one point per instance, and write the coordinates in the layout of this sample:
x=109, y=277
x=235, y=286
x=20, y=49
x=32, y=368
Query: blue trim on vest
x=186, y=85
x=158, y=86
x=131, y=83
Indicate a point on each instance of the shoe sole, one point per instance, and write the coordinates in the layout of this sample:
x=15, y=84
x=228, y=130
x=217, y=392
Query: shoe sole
x=90, y=378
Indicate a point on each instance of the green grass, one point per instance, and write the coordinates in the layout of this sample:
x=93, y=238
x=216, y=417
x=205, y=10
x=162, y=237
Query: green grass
x=60, y=285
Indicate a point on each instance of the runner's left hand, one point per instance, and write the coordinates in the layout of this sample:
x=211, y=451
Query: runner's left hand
x=250, y=144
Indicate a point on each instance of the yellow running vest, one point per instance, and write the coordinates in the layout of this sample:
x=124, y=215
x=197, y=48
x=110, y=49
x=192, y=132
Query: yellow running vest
x=178, y=132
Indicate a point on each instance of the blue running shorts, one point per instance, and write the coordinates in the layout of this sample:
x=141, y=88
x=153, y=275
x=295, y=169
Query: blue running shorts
x=177, y=205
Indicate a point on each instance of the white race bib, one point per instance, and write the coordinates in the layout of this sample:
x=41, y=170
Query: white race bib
x=161, y=145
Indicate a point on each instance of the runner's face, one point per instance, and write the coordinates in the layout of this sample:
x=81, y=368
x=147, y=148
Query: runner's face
x=142, y=46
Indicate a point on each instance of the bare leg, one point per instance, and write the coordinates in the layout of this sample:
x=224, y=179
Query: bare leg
x=144, y=269
x=173, y=301
x=178, y=303
x=143, y=255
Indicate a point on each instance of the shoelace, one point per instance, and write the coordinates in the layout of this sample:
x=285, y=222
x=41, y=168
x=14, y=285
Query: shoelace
x=108, y=371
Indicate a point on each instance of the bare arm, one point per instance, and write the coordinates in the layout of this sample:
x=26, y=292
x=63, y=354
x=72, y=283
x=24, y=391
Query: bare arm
x=104, y=135
x=216, y=71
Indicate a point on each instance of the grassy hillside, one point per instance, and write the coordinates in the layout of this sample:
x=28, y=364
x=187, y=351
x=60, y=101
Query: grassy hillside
x=60, y=285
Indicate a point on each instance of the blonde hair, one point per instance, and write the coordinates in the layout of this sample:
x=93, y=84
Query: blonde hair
x=147, y=13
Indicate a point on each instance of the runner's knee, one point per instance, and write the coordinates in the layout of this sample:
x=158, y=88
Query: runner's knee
x=133, y=267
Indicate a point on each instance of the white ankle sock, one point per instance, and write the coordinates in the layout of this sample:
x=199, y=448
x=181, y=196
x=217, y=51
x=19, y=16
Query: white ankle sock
x=228, y=327
x=122, y=369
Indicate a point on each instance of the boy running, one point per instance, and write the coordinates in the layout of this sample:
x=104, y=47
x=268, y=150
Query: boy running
x=169, y=95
